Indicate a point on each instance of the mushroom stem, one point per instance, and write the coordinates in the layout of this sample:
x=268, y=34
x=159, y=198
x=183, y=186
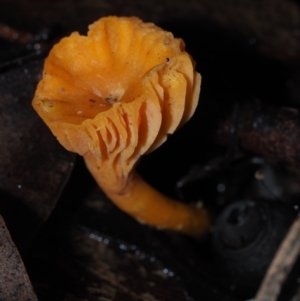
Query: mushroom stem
x=149, y=206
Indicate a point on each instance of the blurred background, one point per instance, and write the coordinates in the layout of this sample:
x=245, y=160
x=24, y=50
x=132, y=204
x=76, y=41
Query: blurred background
x=74, y=243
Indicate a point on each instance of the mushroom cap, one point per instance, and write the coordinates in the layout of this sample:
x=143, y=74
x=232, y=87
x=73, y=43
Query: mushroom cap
x=117, y=92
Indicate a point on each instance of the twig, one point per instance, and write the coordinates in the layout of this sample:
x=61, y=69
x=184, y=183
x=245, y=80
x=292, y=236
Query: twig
x=281, y=265
x=15, y=35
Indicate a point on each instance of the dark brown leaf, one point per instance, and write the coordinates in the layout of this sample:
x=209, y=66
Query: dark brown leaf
x=14, y=281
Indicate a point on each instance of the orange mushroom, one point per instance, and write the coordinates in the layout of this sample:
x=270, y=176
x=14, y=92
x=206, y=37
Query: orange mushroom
x=114, y=95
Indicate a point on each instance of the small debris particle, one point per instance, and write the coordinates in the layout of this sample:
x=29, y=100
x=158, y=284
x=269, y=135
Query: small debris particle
x=259, y=175
x=111, y=100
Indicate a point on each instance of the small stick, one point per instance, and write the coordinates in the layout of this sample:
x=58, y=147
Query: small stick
x=14, y=35
x=281, y=265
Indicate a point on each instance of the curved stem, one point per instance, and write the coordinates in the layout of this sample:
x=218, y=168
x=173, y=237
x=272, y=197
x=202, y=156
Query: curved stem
x=149, y=206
